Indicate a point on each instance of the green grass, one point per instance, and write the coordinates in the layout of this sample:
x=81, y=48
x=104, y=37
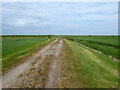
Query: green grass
x=107, y=50
x=14, y=49
x=106, y=44
x=106, y=40
x=96, y=70
x=13, y=45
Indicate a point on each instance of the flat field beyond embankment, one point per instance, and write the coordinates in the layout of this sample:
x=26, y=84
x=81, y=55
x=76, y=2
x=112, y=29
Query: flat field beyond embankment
x=15, y=48
x=106, y=44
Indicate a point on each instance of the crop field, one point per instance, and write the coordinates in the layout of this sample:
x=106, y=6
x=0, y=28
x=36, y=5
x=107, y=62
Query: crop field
x=106, y=44
x=108, y=40
x=15, y=48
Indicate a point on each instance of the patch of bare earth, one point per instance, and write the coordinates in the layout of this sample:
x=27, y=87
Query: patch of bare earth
x=41, y=70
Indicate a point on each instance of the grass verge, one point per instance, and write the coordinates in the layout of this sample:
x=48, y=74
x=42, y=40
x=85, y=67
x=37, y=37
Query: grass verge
x=70, y=75
x=88, y=69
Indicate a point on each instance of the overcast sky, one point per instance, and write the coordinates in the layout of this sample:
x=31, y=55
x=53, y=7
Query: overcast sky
x=76, y=18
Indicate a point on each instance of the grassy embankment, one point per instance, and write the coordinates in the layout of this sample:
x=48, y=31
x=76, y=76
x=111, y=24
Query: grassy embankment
x=85, y=68
x=106, y=44
x=16, y=48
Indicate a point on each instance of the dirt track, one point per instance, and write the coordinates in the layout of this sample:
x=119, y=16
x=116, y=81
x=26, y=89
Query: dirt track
x=41, y=70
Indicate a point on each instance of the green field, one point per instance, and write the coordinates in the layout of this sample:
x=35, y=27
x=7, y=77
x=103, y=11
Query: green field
x=106, y=44
x=16, y=48
x=106, y=40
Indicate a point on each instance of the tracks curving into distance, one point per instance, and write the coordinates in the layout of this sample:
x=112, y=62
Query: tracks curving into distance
x=40, y=70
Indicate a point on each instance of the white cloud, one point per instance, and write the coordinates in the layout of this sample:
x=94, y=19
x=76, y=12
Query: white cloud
x=22, y=22
x=45, y=23
x=46, y=17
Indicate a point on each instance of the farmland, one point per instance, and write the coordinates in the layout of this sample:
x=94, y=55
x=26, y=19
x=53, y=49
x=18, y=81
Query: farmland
x=108, y=40
x=15, y=48
x=106, y=44
x=75, y=60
